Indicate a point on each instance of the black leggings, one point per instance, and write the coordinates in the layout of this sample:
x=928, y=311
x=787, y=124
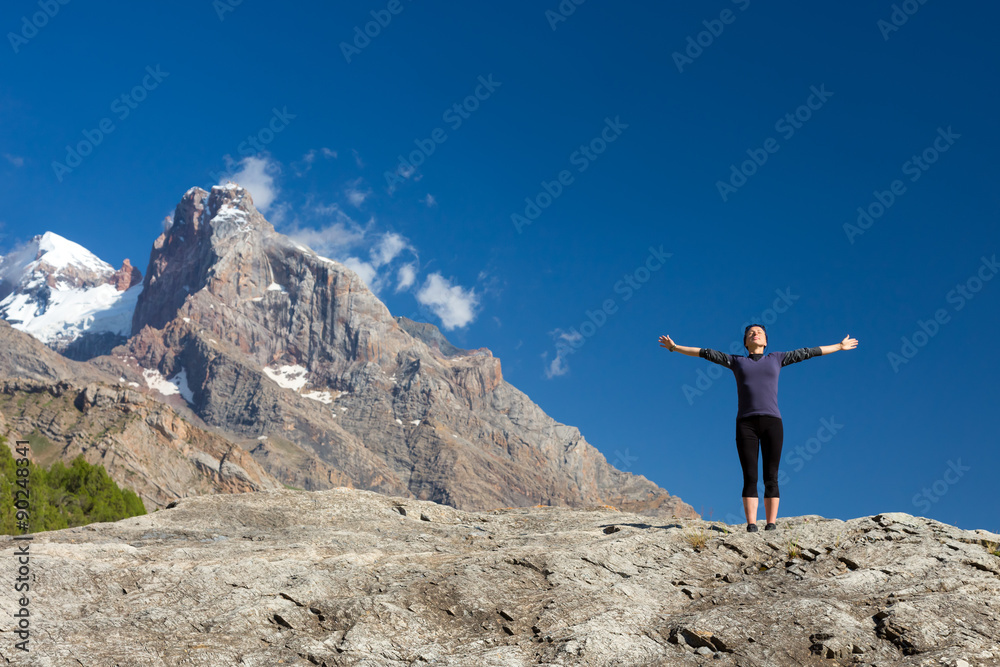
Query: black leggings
x=768, y=430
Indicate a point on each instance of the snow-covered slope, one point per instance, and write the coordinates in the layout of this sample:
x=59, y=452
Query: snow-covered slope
x=60, y=292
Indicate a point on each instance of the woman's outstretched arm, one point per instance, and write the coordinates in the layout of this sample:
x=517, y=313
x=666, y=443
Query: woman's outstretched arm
x=667, y=342
x=847, y=344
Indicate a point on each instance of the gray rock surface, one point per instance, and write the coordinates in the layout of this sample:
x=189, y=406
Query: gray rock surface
x=22, y=356
x=351, y=577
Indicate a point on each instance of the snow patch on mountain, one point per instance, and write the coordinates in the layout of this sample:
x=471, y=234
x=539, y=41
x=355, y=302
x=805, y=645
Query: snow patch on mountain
x=68, y=314
x=175, y=385
x=321, y=396
x=288, y=377
x=295, y=378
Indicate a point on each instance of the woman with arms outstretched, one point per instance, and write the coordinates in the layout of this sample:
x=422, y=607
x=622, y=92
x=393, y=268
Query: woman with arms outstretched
x=758, y=421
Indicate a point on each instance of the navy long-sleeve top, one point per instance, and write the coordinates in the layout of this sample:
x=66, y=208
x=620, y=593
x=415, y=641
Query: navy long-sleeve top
x=757, y=377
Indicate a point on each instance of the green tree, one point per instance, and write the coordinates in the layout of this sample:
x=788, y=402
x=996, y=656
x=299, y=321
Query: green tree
x=62, y=497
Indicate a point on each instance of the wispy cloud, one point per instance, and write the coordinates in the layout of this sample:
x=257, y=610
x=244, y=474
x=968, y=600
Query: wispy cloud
x=387, y=248
x=383, y=251
x=15, y=160
x=365, y=271
x=429, y=200
x=255, y=175
x=355, y=194
x=405, y=277
x=303, y=166
x=347, y=241
x=454, y=304
x=328, y=153
x=335, y=239
x=357, y=159
x=564, y=341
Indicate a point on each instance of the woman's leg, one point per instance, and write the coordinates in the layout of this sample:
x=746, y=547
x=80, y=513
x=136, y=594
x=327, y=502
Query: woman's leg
x=771, y=438
x=747, y=446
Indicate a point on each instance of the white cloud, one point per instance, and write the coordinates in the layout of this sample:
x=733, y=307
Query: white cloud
x=255, y=176
x=556, y=367
x=564, y=347
x=357, y=159
x=356, y=197
x=365, y=271
x=406, y=276
x=387, y=248
x=15, y=160
x=429, y=200
x=334, y=240
x=345, y=239
x=455, y=305
x=328, y=153
x=355, y=194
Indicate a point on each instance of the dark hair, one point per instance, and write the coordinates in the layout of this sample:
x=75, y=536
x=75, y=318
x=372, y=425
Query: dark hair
x=750, y=326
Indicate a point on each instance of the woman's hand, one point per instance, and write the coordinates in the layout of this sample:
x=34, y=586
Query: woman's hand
x=666, y=342
x=848, y=343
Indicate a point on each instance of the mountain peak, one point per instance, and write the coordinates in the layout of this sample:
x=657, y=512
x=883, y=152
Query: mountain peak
x=52, y=255
x=61, y=293
x=230, y=194
x=229, y=208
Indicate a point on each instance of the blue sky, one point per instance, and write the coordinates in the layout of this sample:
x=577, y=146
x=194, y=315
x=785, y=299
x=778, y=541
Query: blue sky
x=650, y=168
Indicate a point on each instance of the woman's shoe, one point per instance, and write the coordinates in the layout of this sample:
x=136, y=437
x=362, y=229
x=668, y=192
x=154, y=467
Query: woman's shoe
x=751, y=528
x=771, y=526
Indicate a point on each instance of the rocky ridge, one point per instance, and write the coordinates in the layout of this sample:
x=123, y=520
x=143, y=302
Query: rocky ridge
x=351, y=577
x=69, y=408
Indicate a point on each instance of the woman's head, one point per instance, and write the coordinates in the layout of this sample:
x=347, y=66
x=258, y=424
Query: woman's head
x=755, y=335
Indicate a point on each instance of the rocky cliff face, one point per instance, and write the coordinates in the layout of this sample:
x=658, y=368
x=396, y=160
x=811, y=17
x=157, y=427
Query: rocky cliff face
x=126, y=277
x=143, y=444
x=69, y=409
x=295, y=359
x=349, y=577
